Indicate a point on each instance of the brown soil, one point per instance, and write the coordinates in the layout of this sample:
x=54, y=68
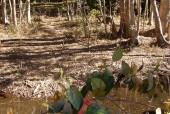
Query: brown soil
x=30, y=61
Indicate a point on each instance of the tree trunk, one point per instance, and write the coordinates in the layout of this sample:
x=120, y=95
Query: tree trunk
x=68, y=11
x=139, y=15
x=158, y=26
x=14, y=18
x=10, y=7
x=104, y=16
x=164, y=11
x=20, y=12
x=122, y=17
x=100, y=5
x=4, y=12
x=28, y=12
x=128, y=26
x=150, y=17
x=133, y=25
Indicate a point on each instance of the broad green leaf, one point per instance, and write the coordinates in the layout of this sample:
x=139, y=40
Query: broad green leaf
x=125, y=68
x=97, y=109
x=95, y=74
x=88, y=87
x=117, y=55
x=56, y=107
x=88, y=84
x=150, y=81
x=106, y=75
x=144, y=86
x=98, y=87
x=84, y=91
x=108, y=80
x=75, y=98
x=67, y=108
x=109, y=84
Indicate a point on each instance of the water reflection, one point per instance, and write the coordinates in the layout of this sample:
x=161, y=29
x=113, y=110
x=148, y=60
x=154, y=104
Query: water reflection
x=21, y=106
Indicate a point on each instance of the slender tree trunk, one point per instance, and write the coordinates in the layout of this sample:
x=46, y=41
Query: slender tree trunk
x=14, y=18
x=133, y=25
x=122, y=17
x=10, y=7
x=20, y=11
x=4, y=12
x=158, y=26
x=28, y=12
x=139, y=14
x=164, y=11
x=150, y=17
x=68, y=11
x=100, y=4
x=104, y=16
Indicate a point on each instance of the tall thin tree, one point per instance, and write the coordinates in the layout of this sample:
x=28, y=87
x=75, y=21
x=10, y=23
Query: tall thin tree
x=28, y=11
x=4, y=12
x=14, y=18
x=161, y=41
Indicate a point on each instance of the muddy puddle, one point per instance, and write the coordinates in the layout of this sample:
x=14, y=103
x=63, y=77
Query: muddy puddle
x=21, y=105
x=122, y=102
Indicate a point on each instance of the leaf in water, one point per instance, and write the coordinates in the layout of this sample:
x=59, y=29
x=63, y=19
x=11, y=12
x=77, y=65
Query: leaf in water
x=56, y=107
x=98, y=87
x=97, y=109
x=67, y=109
x=125, y=68
x=75, y=98
x=117, y=55
x=150, y=81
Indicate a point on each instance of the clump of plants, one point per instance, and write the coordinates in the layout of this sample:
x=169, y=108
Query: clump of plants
x=72, y=100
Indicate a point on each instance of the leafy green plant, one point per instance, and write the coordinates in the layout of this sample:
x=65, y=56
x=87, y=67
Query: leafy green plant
x=100, y=83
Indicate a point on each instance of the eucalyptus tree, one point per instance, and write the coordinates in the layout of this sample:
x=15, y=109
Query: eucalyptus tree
x=161, y=41
x=4, y=12
x=128, y=25
x=164, y=11
x=28, y=12
x=14, y=17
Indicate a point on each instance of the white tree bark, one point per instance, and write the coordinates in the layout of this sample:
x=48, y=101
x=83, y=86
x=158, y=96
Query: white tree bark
x=20, y=11
x=14, y=18
x=4, y=12
x=158, y=26
x=28, y=11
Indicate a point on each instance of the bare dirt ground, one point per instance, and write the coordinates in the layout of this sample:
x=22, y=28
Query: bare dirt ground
x=31, y=59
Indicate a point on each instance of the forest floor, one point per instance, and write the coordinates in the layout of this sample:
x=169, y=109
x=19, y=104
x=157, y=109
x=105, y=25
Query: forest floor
x=31, y=59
